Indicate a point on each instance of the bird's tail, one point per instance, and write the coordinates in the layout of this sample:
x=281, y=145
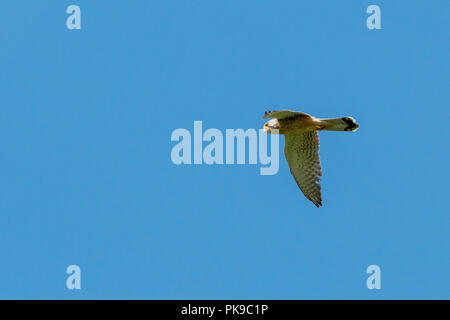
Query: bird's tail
x=339, y=124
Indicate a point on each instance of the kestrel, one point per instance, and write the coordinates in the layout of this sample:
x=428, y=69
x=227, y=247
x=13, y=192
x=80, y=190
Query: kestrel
x=301, y=147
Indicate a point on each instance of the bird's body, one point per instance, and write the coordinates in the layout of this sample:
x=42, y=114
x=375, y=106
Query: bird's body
x=301, y=147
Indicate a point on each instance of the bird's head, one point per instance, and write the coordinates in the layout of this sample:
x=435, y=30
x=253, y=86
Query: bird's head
x=271, y=126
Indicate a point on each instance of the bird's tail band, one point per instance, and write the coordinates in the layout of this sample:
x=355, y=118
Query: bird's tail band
x=339, y=124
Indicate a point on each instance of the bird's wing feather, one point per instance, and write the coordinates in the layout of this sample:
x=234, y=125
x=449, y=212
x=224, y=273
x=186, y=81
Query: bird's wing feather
x=302, y=154
x=283, y=114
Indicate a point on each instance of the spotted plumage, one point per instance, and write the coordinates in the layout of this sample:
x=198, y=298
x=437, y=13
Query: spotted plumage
x=301, y=147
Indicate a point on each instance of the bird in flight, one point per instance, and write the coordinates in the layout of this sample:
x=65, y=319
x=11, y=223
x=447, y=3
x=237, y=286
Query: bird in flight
x=301, y=147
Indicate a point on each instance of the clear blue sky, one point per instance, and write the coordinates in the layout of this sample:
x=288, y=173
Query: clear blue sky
x=85, y=171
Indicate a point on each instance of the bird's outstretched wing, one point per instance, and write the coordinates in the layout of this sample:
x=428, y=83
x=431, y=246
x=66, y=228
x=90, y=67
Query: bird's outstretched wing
x=283, y=114
x=302, y=154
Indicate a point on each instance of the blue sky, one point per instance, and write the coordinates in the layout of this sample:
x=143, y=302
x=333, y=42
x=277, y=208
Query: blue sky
x=86, y=175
